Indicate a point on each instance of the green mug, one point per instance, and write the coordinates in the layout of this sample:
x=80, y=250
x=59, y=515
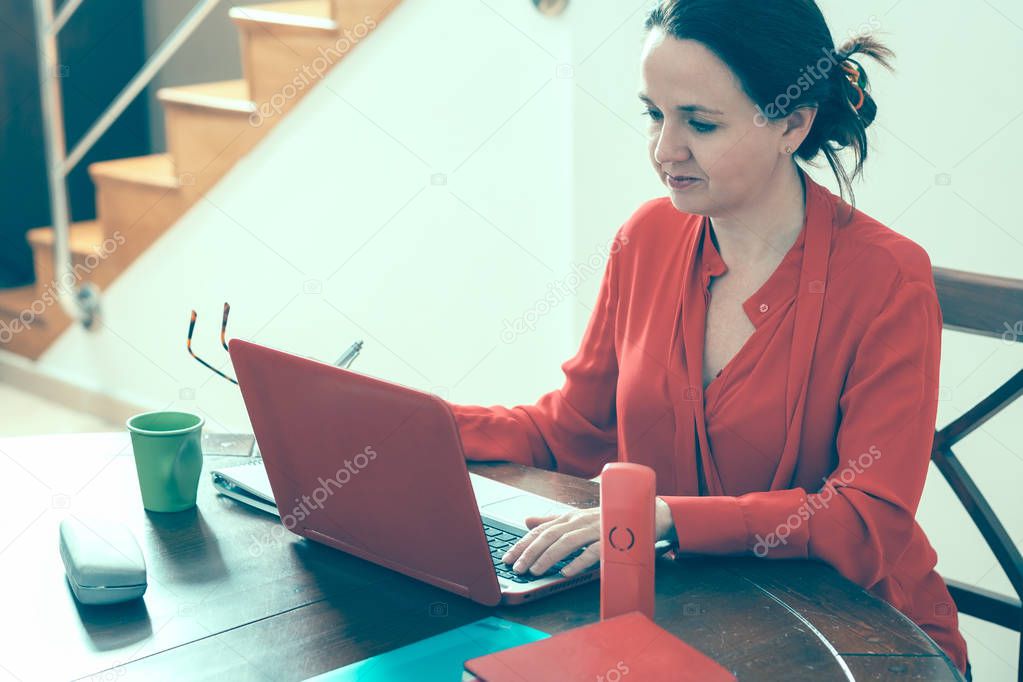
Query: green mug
x=168, y=458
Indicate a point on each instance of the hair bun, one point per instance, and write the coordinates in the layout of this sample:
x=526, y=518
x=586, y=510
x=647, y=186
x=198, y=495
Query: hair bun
x=856, y=84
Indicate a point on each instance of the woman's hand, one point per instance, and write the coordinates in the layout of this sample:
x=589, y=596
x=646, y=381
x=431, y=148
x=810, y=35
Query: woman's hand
x=552, y=538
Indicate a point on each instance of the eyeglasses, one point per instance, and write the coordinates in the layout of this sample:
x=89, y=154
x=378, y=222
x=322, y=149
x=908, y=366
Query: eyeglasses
x=223, y=342
x=346, y=359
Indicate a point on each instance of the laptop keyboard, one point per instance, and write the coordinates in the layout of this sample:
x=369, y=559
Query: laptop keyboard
x=501, y=541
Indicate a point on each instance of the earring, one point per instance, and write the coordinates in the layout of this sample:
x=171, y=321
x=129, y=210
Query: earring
x=788, y=150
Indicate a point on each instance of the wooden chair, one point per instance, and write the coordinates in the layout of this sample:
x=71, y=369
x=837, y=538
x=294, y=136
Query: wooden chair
x=989, y=306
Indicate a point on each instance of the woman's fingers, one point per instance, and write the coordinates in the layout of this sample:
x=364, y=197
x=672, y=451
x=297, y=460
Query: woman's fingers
x=552, y=540
x=537, y=524
x=590, y=556
x=562, y=547
x=538, y=545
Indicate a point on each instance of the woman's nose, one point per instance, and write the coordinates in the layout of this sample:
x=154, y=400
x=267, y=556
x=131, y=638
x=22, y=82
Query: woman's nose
x=670, y=148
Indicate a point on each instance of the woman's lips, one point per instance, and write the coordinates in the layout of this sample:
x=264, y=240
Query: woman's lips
x=680, y=181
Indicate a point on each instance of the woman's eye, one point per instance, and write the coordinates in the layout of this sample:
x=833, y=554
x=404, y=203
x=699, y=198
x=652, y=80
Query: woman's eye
x=696, y=125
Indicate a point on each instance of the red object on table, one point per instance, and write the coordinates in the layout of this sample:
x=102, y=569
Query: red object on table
x=627, y=499
x=628, y=646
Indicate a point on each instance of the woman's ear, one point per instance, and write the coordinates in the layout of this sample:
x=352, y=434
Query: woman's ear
x=797, y=127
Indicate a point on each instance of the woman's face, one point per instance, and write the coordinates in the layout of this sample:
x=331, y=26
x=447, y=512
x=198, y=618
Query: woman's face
x=704, y=126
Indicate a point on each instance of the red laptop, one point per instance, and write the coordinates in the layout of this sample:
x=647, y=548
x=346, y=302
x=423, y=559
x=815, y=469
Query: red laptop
x=377, y=470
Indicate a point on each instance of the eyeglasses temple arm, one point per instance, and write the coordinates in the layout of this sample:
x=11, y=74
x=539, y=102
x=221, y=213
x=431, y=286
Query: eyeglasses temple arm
x=223, y=326
x=191, y=328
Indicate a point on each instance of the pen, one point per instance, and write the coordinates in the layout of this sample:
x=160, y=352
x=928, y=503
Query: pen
x=349, y=355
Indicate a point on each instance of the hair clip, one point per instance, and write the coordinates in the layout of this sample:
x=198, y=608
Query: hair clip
x=855, y=77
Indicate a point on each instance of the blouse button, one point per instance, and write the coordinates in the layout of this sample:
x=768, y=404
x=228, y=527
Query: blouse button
x=764, y=307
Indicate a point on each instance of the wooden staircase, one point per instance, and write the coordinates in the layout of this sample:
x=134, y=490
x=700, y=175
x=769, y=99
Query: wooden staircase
x=286, y=48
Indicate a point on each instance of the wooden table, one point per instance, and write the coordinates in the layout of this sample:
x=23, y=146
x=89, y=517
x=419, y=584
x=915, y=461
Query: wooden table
x=232, y=598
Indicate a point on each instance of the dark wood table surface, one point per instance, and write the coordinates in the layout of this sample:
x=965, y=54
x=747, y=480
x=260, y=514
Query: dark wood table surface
x=232, y=596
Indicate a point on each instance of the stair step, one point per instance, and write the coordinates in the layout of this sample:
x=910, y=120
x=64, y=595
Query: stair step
x=209, y=128
x=32, y=316
x=280, y=42
x=299, y=14
x=141, y=196
x=230, y=95
x=351, y=13
x=83, y=237
x=156, y=170
x=287, y=47
x=30, y=320
x=95, y=257
x=14, y=301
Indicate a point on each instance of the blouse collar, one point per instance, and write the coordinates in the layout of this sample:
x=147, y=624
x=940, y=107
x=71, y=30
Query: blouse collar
x=781, y=286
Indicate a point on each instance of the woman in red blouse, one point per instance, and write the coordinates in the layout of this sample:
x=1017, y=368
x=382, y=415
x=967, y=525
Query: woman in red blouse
x=769, y=350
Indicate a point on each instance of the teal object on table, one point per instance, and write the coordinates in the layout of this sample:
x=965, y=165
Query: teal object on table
x=438, y=658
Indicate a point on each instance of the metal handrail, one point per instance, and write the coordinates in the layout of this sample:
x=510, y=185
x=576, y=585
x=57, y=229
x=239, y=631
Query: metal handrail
x=82, y=303
x=65, y=13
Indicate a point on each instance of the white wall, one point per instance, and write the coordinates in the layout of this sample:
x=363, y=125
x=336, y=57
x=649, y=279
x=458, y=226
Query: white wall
x=535, y=123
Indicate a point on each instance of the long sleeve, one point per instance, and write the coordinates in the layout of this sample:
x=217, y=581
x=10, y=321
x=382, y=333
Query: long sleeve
x=861, y=520
x=573, y=429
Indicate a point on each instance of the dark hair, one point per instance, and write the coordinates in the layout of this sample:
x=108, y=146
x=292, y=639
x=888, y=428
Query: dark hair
x=772, y=47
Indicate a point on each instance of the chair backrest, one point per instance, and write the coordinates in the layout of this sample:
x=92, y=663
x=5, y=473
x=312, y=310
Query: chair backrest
x=989, y=306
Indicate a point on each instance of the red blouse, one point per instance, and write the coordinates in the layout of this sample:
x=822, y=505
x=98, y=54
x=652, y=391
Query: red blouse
x=777, y=457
